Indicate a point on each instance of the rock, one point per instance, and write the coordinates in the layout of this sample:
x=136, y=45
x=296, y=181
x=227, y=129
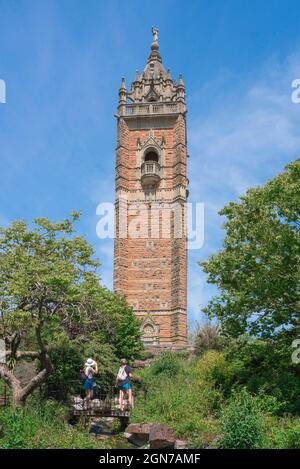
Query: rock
x=140, y=428
x=136, y=439
x=181, y=444
x=103, y=426
x=161, y=436
x=138, y=434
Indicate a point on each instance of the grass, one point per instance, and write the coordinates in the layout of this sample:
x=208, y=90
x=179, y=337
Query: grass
x=182, y=393
x=178, y=395
x=43, y=425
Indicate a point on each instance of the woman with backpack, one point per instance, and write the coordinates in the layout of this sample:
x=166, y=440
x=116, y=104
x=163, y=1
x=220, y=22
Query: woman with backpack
x=123, y=382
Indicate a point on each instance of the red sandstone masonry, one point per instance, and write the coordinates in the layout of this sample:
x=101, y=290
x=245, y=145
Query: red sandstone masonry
x=151, y=270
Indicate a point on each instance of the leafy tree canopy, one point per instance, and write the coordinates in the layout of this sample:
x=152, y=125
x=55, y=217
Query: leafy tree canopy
x=49, y=288
x=257, y=271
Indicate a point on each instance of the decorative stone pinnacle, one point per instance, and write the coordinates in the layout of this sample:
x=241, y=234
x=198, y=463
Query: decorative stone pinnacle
x=123, y=86
x=180, y=81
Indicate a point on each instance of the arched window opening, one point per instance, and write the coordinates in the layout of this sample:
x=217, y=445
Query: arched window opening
x=151, y=156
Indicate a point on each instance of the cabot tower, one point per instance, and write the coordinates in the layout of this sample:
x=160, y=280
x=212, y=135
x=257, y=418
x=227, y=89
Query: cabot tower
x=150, y=258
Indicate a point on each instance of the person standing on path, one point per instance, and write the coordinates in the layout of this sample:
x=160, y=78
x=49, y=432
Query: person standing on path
x=90, y=369
x=123, y=383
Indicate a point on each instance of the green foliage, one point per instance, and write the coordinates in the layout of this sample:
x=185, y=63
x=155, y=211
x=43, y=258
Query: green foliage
x=145, y=355
x=282, y=433
x=257, y=271
x=121, y=328
x=204, y=400
x=42, y=425
x=167, y=363
x=107, y=363
x=293, y=436
x=178, y=396
x=64, y=379
x=242, y=422
x=51, y=294
x=264, y=367
x=207, y=337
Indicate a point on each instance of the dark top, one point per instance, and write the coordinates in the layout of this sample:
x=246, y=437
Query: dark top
x=128, y=370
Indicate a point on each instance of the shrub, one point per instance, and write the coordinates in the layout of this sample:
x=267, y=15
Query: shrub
x=145, y=355
x=64, y=379
x=261, y=366
x=107, y=363
x=207, y=337
x=242, y=422
x=293, y=436
x=167, y=363
x=42, y=425
x=177, y=396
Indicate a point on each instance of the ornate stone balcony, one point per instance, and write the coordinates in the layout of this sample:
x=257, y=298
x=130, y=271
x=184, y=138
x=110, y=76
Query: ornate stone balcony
x=146, y=109
x=151, y=173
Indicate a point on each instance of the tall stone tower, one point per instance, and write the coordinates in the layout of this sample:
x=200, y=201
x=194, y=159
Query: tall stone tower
x=150, y=259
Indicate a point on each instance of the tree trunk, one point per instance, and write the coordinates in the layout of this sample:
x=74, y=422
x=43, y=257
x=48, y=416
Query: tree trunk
x=19, y=394
x=18, y=399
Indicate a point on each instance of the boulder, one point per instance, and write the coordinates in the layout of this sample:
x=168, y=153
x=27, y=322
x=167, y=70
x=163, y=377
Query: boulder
x=140, y=428
x=137, y=433
x=181, y=444
x=161, y=436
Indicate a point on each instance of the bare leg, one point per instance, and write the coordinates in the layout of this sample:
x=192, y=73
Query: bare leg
x=121, y=396
x=130, y=398
x=89, y=395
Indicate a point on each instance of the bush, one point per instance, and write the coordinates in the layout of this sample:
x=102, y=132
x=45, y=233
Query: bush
x=178, y=396
x=167, y=363
x=261, y=366
x=145, y=355
x=293, y=437
x=65, y=377
x=107, y=363
x=207, y=337
x=42, y=425
x=242, y=422
x=68, y=359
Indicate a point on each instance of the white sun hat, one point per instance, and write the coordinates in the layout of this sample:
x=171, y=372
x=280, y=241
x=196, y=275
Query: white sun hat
x=90, y=362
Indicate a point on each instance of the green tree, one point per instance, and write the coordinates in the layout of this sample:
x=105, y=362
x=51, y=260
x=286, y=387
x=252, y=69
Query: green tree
x=257, y=271
x=50, y=288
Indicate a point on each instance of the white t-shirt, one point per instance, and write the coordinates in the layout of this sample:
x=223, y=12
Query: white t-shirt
x=89, y=372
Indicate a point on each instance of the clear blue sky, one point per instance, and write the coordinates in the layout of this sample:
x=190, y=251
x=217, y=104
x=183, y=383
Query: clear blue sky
x=62, y=61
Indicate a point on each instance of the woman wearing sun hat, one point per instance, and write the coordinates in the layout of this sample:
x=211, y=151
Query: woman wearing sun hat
x=90, y=369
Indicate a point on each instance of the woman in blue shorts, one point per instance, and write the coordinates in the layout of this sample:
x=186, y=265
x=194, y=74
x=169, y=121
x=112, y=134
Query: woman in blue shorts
x=124, y=383
x=90, y=369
